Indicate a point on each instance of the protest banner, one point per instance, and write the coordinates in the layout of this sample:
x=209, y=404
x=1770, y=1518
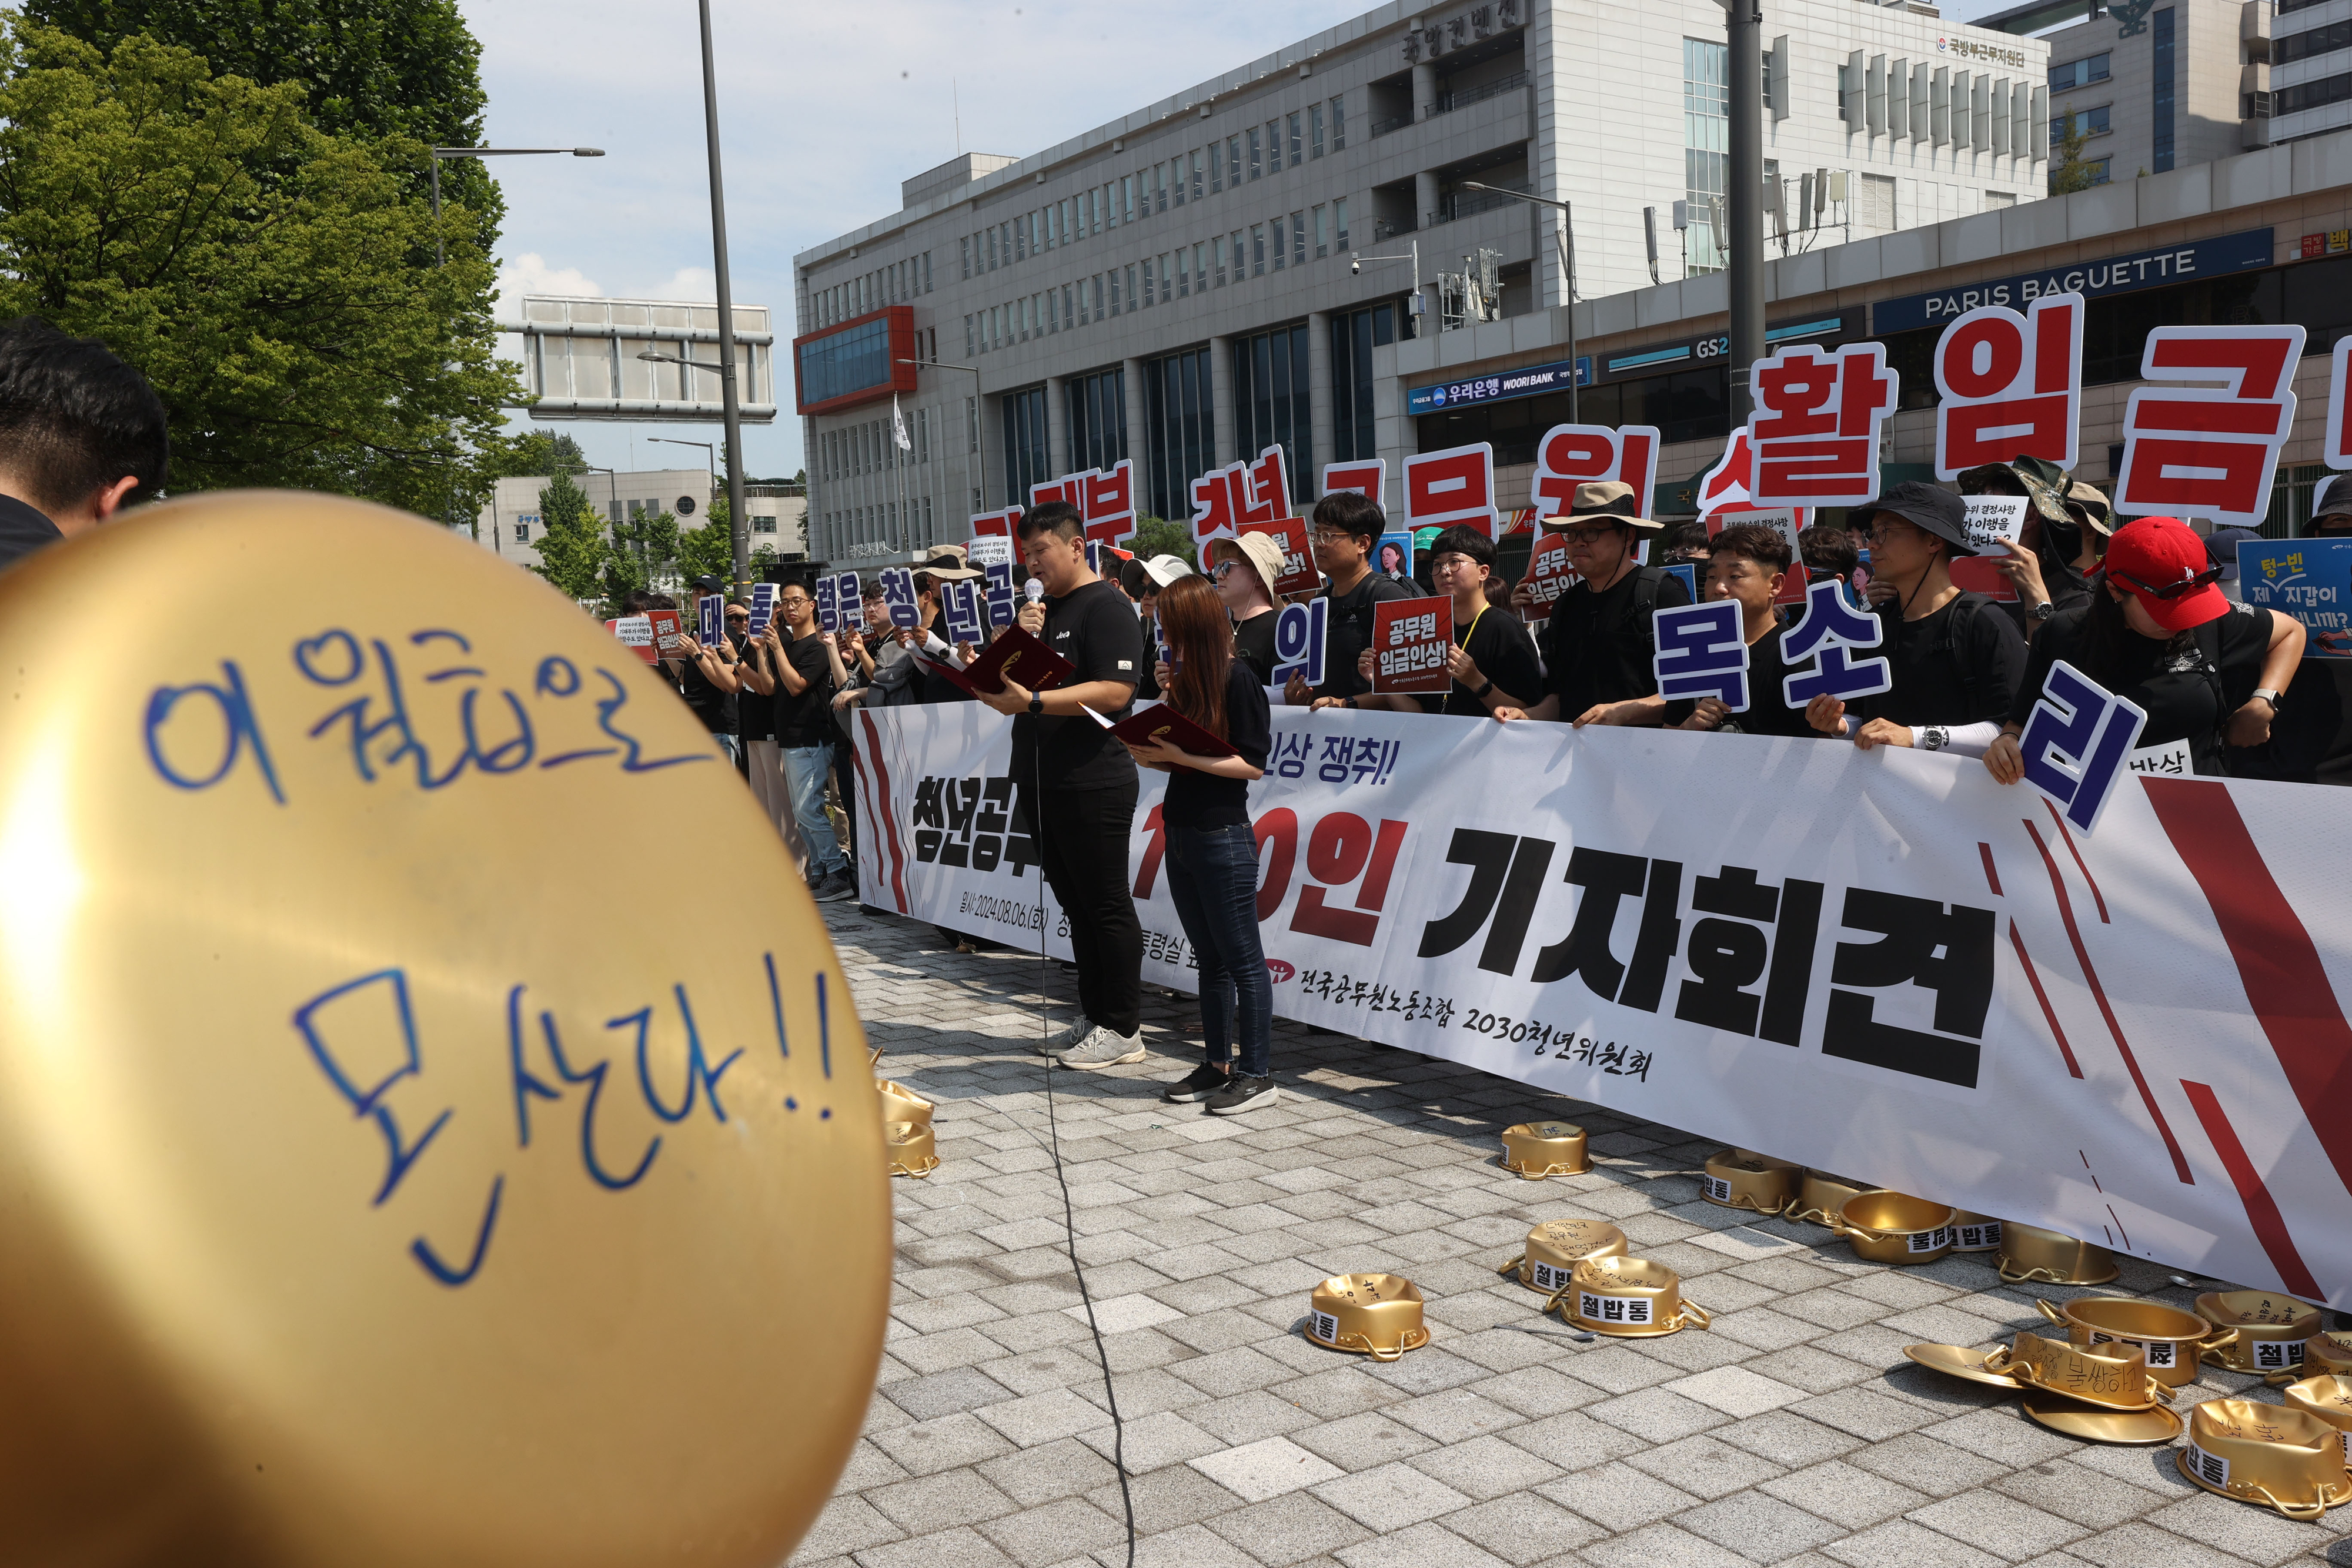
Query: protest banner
x=1574, y=455
x=988, y=550
x=2209, y=451
x=2010, y=386
x=2336, y=435
x=1909, y=986
x=669, y=637
x=2310, y=580
x=1298, y=573
x=1411, y=638
x=1366, y=476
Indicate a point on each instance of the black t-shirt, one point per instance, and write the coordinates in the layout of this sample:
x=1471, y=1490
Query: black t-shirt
x=1962, y=664
x=1349, y=632
x=1600, y=647
x=2066, y=587
x=1094, y=627
x=755, y=713
x=2188, y=686
x=1505, y=653
x=1197, y=800
x=805, y=720
x=2311, y=740
x=1768, y=712
x=1254, y=645
x=714, y=708
x=23, y=531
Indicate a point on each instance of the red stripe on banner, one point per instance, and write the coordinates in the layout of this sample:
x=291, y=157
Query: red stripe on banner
x=2049, y=1014
x=889, y=817
x=2096, y=897
x=2099, y=994
x=2285, y=980
x=1993, y=877
x=2261, y=1209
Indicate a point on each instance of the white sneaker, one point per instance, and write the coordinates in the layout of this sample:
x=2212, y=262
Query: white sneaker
x=1105, y=1048
x=1066, y=1038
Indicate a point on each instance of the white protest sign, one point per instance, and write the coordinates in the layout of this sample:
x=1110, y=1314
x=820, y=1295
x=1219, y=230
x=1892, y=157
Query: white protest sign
x=1992, y=517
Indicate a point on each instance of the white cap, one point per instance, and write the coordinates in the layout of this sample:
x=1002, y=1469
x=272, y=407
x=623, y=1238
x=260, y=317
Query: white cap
x=1164, y=569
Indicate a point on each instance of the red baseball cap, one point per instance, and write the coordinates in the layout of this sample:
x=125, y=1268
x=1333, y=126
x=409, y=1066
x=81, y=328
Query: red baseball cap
x=2161, y=562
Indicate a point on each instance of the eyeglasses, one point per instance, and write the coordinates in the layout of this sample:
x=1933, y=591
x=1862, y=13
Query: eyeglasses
x=738, y=615
x=1450, y=563
x=2170, y=590
x=1333, y=536
x=1584, y=536
x=1880, y=533
x=794, y=603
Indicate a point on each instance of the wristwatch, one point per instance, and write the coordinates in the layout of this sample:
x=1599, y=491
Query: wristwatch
x=2269, y=697
x=2041, y=611
x=1036, y=704
x=1934, y=738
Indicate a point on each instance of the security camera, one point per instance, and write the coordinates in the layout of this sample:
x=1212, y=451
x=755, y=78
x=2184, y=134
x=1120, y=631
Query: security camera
x=1354, y=266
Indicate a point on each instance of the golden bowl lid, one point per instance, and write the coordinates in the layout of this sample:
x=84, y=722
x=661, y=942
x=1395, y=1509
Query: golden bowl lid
x=2329, y=1396
x=901, y=1103
x=1626, y=1275
x=2330, y=1352
x=2139, y=1428
x=1893, y=1213
x=1545, y=1133
x=1366, y=1290
x=2261, y=1314
x=1568, y=1242
x=1380, y=1314
x=1960, y=1361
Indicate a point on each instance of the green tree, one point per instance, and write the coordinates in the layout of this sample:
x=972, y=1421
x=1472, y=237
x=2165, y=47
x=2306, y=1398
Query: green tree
x=369, y=69
x=264, y=274
x=2069, y=170
x=572, y=550
x=710, y=547
x=536, y=452
x=1158, y=536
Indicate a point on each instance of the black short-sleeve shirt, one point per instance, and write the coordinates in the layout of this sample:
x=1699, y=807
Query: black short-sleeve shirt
x=1094, y=627
x=1254, y=645
x=2186, y=691
x=1768, y=712
x=1600, y=647
x=754, y=713
x=1349, y=632
x=1961, y=666
x=803, y=720
x=714, y=708
x=1197, y=800
x=1500, y=645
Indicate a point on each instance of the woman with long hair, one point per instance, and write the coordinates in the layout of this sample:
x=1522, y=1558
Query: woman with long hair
x=2157, y=631
x=1212, y=855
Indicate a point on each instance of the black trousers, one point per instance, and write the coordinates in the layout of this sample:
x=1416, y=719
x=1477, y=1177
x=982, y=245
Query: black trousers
x=1082, y=841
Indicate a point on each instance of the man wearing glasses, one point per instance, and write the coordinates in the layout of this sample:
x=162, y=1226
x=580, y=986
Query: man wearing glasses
x=1345, y=527
x=1599, y=647
x=1956, y=667
x=806, y=665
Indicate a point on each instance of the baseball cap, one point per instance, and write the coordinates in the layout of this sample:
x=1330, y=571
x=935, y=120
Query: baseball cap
x=1923, y=505
x=1164, y=569
x=707, y=583
x=2222, y=549
x=2161, y=562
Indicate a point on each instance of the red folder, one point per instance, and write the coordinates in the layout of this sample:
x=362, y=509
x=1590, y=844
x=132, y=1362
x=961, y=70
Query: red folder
x=1015, y=655
x=1160, y=722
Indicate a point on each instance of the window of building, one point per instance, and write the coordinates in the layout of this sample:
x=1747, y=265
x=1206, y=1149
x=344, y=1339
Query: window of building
x=1200, y=267
x=1298, y=239
x=1257, y=250
x=2079, y=123
x=2323, y=39
x=1180, y=428
x=1234, y=161
x=1110, y=202
x=1184, y=274
x=1025, y=443
x=1314, y=130
x=1281, y=243
x=1168, y=278
x=1876, y=207
x=1021, y=236
x=1130, y=288
x=1160, y=181
x=2097, y=168
x=1176, y=174
x=1256, y=152
x=1340, y=121
x=1086, y=200
x=1322, y=233
x=1216, y=166
x=2160, y=66
x=1339, y=222
x=1149, y=278
x=1295, y=128
x=1274, y=146
x=922, y=435
x=1066, y=208
x=1196, y=169
x=1114, y=291
x=970, y=346
x=1127, y=190
x=1707, y=143
x=1217, y=249
x=2078, y=73
x=1066, y=306
x=1270, y=401
x=1097, y=409
x=1354, y=335
x=522, y=533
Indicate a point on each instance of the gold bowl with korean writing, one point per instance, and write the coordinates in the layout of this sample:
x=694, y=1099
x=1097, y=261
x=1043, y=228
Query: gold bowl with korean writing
x=2263, y=1332
x=2274, y=1456
x=1557, y=1246
x=2328, y=1352
x=1539, y=1149
x=2093, y=1424
x=2329, y=1397
x=2112, y=1376
x=1377, y=1315
x=910, y=1148
x=1976, y=1232
x=900, y=1103
x=1819, y=1195
x=2028, y=1252
x=1627, y=1298
x=1894, y=1228
x=2169, y=1337
x=1742, y=1178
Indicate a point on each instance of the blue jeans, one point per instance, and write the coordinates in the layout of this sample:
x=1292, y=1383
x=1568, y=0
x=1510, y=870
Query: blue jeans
x=805, y=767
x=1212, y=880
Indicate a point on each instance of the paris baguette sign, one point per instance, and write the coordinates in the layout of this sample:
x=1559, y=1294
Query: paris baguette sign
x=2139, y=270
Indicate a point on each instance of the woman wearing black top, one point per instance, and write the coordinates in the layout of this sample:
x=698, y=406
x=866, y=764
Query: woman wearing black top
x=1212, y=859
x=2158, y=633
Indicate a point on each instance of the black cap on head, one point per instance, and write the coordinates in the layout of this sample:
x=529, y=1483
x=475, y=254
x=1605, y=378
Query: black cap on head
x=707, y=583
x=2334, y=496
x=1937, y=511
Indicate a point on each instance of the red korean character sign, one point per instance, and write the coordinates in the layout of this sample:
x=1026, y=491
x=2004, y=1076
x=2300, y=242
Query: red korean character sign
x=1068, y=489
x=999, y=525
x=1574, y=455
x=1814, y=433
x=1298, y=573
x=1452, y=487
x=1549, y=575
x=1411, y=638
x=1220, y=503
x=2012, y=386
x=1367, y=478
x=2337, y=444
x=1107, y=501
x=2209, y=451
x=1270, y=487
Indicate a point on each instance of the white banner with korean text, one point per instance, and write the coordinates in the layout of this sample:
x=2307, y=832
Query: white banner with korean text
x=1883, y=964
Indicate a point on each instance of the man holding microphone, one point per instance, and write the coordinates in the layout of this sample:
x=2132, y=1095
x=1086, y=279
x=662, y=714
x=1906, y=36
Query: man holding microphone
x=1077, y=783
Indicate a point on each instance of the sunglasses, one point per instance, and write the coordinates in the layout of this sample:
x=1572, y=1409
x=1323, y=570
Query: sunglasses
x=2171, y=591
x=1217, y=573
x=1583, y=535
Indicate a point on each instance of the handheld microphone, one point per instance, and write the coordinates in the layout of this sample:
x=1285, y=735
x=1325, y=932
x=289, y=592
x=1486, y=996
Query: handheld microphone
x=1034, y=590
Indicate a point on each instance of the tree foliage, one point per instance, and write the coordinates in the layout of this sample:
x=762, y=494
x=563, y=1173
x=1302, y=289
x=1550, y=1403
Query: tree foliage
x=709, y=548
x=537, y=452
x=572, y=549
x=1159, y=535
x=2069, y=170
x=275, y=282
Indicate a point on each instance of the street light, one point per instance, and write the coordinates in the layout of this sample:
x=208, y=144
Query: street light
x=1564, y=239
x=1356, y=265
x=710, y=454
x=1744, y=31
x=974, y=371
x=730, y=407
x=440, y=251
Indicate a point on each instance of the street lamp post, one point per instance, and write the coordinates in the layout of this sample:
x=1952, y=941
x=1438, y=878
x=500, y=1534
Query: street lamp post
x=974, y=371
x=1564, y=239
x=1356, y=263
x=730, y=402
x=441, y=251
x=1744, y=24
x=710, y=453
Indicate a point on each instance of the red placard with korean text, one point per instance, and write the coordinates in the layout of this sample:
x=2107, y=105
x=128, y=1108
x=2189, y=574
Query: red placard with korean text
x=1298, y=573
x=2209, y=451
x=2010, y=385
x=1814, y=433
x=1574, y=455
x=1410, y=639
x=1366, y=476
x=1452, y=487
x=1548, y=575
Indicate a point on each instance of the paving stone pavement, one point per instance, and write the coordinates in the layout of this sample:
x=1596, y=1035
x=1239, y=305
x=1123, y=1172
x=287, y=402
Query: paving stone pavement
x=1794, y=1432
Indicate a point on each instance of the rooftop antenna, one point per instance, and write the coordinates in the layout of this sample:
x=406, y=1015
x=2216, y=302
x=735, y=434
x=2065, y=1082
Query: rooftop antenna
x=955, y=107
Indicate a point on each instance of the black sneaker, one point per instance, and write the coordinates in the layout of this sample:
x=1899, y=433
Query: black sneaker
x=1239, y=1093
x=1204, y=1082
x=833, y=889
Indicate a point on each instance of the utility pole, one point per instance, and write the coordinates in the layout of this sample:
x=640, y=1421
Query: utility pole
x=730, y=400
x=1744, y=21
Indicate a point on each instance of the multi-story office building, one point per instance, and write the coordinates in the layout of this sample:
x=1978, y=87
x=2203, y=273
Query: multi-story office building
x=1177, y=287
x=2154, y=89
x=2311, y=67
x=511, y=524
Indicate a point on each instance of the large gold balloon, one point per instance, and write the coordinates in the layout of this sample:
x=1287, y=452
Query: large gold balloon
x=432, y=1126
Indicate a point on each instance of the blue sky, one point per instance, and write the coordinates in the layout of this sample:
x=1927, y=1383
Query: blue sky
x=823, y=110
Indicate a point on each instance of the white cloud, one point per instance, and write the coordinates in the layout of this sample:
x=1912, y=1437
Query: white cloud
x=529, y=274
x=699, y=284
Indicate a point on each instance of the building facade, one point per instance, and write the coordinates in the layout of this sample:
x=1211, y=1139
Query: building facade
x=510, y=525
x=1222, y=271
x=2311, y=67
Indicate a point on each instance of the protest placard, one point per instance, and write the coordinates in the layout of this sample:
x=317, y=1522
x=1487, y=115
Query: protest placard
x=899, y=593
x=763, y=605
x=636, y=632
x=988, y=550
x=960, y=607
x=669, y=639
x=2310, y=580
x=828, y=605
x=1701, y=652
x=1300, y=635
x=1366, y=476
x=1393, y=557
x=2077, y=743
x=1298, y=573
x=710, y=614
x=1411, y=638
